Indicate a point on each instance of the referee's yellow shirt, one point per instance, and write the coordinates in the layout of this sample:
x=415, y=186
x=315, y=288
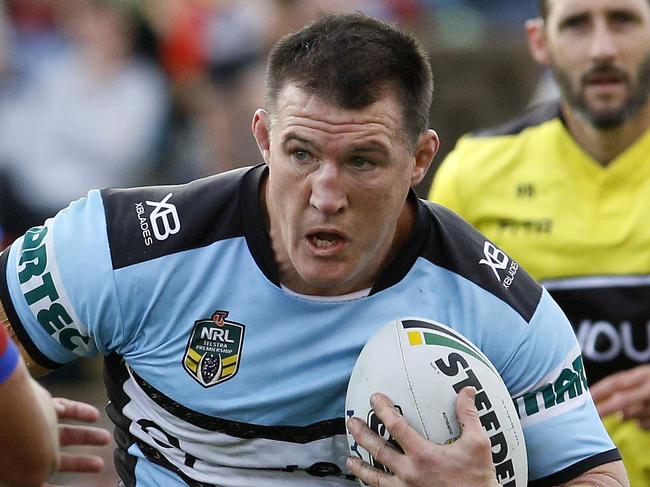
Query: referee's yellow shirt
x=581, y=228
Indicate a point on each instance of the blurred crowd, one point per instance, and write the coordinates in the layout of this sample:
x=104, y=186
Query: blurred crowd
x=97, y=93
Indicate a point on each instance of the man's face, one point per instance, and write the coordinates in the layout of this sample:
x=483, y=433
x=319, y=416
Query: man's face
x=337, y=187
x=599, y=51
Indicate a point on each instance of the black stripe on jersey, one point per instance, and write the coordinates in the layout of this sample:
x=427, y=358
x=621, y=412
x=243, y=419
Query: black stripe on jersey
x=536, y=115
x=576, y=469
x=256, y=225
x=292, y=434
x=206, y=210
x=457, y=246
x=158, y=458
x=39, y=357
x=115, y=375
x=408, y=254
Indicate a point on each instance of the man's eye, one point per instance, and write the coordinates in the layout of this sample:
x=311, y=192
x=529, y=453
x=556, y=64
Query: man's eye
x=301, y=155
x=361, y=163
x=622, y=18
x=575, y=22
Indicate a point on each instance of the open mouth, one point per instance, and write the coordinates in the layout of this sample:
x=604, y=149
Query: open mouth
x=324, y=241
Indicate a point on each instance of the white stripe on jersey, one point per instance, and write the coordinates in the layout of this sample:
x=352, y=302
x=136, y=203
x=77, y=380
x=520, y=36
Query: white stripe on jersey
x=560, y=391
x=217, y=458
x=56, y=301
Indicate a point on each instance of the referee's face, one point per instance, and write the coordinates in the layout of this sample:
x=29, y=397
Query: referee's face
x=600, y=53
x=337, y=189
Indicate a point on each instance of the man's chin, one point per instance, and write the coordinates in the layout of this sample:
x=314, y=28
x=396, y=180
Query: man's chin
x=609, y=114
x=606, y=119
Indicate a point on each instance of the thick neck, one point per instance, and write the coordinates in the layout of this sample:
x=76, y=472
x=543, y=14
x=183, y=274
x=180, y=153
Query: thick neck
x=605, y=145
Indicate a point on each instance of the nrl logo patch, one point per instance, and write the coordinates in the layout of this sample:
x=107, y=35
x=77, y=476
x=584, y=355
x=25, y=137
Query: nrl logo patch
x=213, y=351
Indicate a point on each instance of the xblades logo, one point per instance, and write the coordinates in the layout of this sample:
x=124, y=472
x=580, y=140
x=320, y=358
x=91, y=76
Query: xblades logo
x=164, y=218
x=494, y=258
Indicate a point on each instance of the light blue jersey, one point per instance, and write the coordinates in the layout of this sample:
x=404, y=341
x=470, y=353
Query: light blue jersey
x=218, y=376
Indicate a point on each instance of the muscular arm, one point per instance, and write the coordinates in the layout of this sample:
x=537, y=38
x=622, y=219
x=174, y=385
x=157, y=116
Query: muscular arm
x=30, y=433
x=467, y=461
x=29, y=437
x=35, y=369
x=607, y=475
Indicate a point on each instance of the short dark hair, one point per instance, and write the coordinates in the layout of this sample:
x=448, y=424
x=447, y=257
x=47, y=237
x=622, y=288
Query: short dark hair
x=352, y=60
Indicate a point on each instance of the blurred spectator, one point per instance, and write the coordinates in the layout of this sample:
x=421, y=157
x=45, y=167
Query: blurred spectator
x=207, y=48
x=214, y=52
x=508, y=14
x=91, y=116
x=79, y=81
x=28, y=38
x=471, y=24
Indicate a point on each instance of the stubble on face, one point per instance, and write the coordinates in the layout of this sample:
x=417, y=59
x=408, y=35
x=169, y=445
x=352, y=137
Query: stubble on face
x=638, y=89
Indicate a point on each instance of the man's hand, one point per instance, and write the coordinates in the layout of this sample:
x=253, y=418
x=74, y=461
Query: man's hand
x=467, y=461
x=70, y=435
x=626, y=393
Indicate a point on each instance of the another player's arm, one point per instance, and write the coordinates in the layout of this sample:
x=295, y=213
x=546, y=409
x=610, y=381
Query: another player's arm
x=27, y=442
x=29, y=435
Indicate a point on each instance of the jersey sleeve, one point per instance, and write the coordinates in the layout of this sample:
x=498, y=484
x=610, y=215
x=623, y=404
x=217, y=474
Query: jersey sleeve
x=564, y=434
x=57, y=286
x=8, y=356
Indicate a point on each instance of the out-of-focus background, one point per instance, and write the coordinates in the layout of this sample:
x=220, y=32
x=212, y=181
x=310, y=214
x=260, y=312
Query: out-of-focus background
x=97, y=93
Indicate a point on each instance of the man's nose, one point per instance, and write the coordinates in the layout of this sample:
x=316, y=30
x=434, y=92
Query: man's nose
x=603, y=44
x=328, y=193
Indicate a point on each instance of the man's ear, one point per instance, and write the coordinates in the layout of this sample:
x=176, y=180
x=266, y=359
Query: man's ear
x=428, y=145
x=537, y=42
x=262, y=133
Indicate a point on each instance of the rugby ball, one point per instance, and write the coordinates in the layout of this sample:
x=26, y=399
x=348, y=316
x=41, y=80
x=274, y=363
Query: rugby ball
x=422, y=365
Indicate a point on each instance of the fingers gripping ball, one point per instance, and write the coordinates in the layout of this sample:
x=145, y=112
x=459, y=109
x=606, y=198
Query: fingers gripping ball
x=422, y=365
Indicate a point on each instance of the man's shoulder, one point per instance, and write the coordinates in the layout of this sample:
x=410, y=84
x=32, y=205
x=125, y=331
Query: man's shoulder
x=532, y=117
x=148, y=222
x=457, y=246
x=483, y=161
x=516, y=135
